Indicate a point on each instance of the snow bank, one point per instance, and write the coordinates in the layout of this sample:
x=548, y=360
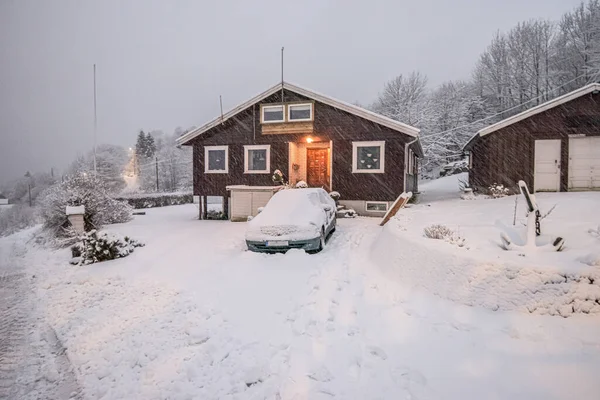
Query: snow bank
x=451, y=273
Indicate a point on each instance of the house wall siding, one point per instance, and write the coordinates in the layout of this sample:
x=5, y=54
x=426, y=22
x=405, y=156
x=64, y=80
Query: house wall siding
x=507, y=155
x=340, y=127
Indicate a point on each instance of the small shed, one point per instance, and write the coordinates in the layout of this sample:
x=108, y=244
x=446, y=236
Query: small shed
x=245, y=200
x=554, y=146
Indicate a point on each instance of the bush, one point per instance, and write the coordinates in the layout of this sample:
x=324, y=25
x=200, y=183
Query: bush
x=81, y=190
x=16, y=217
x=442, y=232
x=336, y=196
x=437, y=231
x=498, y=191
x=157, y=200
x=102, y=246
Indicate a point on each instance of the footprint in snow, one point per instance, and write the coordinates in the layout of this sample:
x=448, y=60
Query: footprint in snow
x=320, y=374
x=377, y=352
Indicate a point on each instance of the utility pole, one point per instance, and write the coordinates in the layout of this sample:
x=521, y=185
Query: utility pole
x=156, y=163
x=30, y=203
x=95, y=121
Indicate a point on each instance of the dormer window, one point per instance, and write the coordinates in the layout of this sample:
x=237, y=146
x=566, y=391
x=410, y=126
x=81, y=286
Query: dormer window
x=300, y=112
x=295, y=112
x=271, y=114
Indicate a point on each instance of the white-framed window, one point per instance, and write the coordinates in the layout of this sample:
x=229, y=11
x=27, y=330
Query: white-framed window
x=272, y=114
x=300, y=112
x=376, y=206
x=368, y=157
x=216, y=159
x=257, y=159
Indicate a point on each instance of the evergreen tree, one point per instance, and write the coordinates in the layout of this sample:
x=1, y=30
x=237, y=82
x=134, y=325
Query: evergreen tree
x=150, y=146
x=140, y=145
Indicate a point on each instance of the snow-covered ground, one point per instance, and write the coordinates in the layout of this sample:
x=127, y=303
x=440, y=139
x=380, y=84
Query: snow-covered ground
x=193, y=315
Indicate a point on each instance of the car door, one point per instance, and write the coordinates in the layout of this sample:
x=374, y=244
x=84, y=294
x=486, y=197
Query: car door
x=327, y=200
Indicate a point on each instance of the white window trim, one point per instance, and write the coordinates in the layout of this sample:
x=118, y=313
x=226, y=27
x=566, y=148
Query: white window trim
x=356, y=145
x=387, y=206
x=262, y=114
x=220, y=171
x=289, y=112
x=411, y=162
x=266, y=147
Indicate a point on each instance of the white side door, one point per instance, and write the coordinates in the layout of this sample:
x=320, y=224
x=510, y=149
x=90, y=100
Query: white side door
x=547, y=166
x=584, y=163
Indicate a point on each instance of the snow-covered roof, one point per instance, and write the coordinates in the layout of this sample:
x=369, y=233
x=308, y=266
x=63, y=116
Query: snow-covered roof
x=593, y=87
x=341, y=105
x=541, y=108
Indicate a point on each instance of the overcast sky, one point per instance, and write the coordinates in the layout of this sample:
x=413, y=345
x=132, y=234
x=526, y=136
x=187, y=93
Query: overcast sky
x=162, y=64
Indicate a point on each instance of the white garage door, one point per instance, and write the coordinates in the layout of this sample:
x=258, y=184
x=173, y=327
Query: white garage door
x=584, y=163
x=547, y=165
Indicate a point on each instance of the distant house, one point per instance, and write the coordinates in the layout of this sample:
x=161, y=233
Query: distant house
x=552, y=147
x=368, y=158
x=3, y=200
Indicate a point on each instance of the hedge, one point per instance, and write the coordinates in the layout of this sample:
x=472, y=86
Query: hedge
x=158, y=199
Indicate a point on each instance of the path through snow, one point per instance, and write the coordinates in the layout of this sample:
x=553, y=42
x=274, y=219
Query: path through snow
x=33, y=362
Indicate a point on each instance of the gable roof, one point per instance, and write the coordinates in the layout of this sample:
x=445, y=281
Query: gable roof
x=592, y=87
x=541, y=108
x=350, y=108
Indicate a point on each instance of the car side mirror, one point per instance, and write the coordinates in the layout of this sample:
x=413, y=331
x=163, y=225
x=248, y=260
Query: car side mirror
x=327, y=207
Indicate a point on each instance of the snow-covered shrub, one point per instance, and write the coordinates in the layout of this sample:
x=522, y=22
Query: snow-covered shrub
x=595, y=232
x=497, y=191
x=102, y=246
x=438, y=231
x=301, y=185
x=442, y=232
x=278, y=178
x=17, y=217
x=81, y=190
x=335, y=196
x=157, y=199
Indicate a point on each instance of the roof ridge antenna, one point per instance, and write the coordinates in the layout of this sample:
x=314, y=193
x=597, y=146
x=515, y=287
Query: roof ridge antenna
x=282, y=74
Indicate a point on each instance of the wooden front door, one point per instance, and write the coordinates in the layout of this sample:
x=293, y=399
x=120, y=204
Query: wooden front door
x=317, y=168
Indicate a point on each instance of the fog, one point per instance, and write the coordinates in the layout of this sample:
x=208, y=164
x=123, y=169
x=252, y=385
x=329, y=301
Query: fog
x=163, y=64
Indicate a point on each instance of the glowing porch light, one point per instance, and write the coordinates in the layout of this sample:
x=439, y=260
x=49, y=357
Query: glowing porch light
x=309, y=140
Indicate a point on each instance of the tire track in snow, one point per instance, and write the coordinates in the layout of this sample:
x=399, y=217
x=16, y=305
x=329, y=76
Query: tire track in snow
x=33, y=364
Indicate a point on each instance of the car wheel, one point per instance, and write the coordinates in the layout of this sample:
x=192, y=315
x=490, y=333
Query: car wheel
x=322, y=240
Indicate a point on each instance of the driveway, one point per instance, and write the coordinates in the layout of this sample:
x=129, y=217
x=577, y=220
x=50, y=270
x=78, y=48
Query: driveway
x=194, y=315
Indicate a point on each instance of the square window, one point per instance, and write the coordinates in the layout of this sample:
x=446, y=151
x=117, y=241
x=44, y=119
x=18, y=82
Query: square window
x=272, y=114
x=368, y=157
x=377, y=206
x=257, y=159
x=300, y=112
x=216, y=159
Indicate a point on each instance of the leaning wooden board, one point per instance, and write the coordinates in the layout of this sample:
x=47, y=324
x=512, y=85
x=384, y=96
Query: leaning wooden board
x=398, y=204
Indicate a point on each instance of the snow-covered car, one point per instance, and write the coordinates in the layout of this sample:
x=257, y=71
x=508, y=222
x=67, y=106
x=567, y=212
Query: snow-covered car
x=293, y=219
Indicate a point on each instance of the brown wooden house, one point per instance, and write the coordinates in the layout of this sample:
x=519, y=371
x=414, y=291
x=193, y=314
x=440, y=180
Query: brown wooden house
x=368, y=158
x=552, y=147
